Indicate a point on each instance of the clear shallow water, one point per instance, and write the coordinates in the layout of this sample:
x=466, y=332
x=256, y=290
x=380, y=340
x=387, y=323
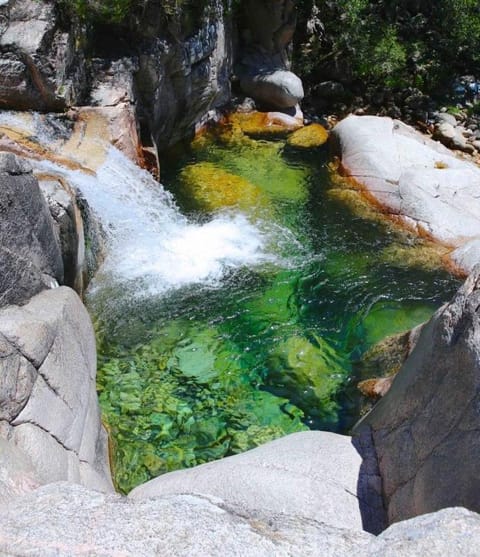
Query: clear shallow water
x=221, y=330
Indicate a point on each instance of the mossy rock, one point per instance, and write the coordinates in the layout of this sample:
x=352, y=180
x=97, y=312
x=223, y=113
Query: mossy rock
x=310, y=375
x=210, y=188
x=265, y=124
x=425, y=255
x=309, y=137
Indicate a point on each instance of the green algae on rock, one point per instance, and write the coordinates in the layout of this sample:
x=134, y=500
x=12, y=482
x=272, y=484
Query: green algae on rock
x=265, y=124
x=210, y=188
x=171, y=408
x=312, y=373
x=386, y=318
x=309, y=137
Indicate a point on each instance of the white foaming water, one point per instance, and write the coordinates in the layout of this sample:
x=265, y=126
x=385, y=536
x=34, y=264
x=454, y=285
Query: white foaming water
x=151, y=242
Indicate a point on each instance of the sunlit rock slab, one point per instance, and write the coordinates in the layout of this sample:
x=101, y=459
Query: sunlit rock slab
x=48, y=404
x=62, y=519
x=414, y=178
x=310, y=474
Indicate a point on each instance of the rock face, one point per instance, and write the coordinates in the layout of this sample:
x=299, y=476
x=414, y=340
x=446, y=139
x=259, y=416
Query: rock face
x=449, y=532
x=264, y=69
x=30, y=256
x=48, y=401
x=179, y=81
x=414, y=178
x=42, y=67
x=310, y=474
x=424, y=430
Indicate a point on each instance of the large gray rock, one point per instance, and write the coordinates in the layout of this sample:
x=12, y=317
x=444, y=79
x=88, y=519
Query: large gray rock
x=49, y=408
x=278, y=88
x=311, y=474
x=41, y=64
x=30, y=256
x=413, y=178
x=62, y=519
x=447, y=533
x=67, y=520
x=425, y=430
x=17, y=475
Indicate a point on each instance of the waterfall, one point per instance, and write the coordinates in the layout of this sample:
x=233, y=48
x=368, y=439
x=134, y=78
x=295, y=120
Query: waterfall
x=150, y=242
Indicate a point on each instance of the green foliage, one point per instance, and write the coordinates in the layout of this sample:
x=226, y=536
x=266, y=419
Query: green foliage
x=118, y=12
x=384, y=59
x=390, y=43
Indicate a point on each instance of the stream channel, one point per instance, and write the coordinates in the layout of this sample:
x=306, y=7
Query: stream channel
x=234, y=308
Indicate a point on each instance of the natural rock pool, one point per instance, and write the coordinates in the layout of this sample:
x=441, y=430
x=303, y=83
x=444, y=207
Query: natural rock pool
x=242, y=316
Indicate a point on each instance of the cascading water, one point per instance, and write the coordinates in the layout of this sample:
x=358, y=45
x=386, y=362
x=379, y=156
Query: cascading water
x=151, y=244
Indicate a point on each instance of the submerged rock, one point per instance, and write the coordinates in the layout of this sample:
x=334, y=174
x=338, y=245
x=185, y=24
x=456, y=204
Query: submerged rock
x=209, y=188
x=266, y=124
x=384, y=359
x=308, y=374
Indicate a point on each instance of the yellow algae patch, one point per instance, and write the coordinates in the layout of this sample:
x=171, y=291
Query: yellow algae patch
x=425, y=255
x=357, y=204
x=265, y=124
x=309, y=137
x=208, y=187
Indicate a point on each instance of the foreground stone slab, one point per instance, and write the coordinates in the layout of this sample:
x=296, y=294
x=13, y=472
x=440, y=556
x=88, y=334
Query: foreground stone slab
x=425, y=430
x=68, y=520
x=413, y=178
x=310, y=474
x=446, y=533
x=63, y=519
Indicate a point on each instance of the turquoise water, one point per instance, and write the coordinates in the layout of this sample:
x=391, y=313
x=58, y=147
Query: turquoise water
x=268, y=346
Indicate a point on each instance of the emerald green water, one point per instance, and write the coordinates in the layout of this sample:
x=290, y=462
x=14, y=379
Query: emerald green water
x=208, y=369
